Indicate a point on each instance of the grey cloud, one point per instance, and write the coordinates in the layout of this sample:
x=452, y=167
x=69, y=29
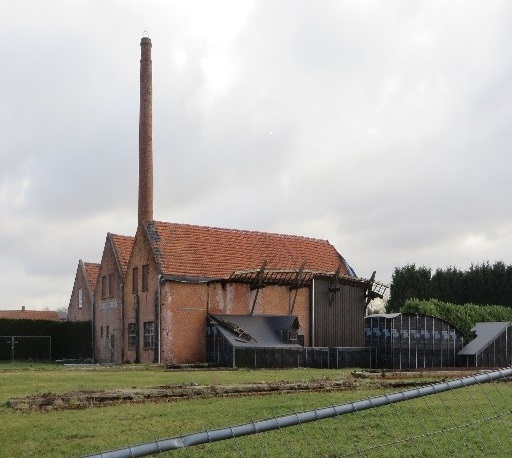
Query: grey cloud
x=382, y=127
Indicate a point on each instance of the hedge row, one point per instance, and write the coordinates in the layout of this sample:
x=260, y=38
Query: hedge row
x=463, y=317
x=483, y=284
x=70, y=339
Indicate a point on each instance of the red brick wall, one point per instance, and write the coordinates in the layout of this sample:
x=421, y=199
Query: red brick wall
x=185, y=306
x=141, y=255
x=183, y=318
x=85, y=312
x=108, y=310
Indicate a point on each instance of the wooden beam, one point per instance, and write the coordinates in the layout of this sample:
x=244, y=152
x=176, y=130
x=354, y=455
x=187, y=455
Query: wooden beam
x=258, y=285
x=296, y=285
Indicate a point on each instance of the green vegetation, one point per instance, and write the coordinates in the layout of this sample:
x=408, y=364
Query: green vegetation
x=24, y=379
x=483, y=284
x=70, y=339
x=463, y=317
x=66, y=433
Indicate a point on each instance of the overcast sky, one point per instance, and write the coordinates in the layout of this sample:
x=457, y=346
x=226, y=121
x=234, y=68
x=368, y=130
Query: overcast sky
x=381, y=126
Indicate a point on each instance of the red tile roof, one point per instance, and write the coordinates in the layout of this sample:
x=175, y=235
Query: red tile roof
x=123, y=244
x=30, y=315
x=91, y=272
x=182, y=249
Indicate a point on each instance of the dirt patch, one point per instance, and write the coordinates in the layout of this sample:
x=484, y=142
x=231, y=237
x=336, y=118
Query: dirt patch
x=171, y=393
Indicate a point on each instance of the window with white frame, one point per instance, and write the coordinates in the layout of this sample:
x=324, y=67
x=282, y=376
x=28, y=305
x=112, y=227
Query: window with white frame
x=80, y=298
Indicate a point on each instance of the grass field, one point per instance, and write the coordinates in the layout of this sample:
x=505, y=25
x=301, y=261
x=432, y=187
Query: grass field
x=435, y=421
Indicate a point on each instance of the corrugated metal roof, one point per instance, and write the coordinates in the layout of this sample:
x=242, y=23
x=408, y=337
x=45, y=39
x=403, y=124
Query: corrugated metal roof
x=261, y=329
x=485, y=334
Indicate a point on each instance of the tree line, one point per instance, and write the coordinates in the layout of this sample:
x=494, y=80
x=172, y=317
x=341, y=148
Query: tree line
x=482, y=284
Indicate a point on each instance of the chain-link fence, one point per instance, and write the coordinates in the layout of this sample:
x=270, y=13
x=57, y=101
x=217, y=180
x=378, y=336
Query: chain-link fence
x=469, y=416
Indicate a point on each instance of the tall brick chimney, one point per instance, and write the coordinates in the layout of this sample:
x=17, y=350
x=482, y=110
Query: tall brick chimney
x=145, y=134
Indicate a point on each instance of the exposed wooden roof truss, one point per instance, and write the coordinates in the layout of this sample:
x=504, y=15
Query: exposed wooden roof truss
x=262, y=277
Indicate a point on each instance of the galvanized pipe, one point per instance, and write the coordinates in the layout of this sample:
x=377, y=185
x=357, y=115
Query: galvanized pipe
x=298, y=418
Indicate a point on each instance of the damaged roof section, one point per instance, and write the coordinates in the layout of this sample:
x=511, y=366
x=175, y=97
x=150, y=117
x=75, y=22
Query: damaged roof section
x=258, y=330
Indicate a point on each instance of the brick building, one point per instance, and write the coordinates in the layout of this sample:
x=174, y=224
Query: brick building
x=108, y=299
x=156, y=291
x=178, y=274
x=82, y=295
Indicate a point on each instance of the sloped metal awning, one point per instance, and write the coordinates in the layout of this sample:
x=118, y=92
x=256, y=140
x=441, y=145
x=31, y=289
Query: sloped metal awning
x=486, y=333
x=254, y=330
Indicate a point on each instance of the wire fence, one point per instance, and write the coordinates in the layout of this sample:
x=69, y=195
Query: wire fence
x=466, y=417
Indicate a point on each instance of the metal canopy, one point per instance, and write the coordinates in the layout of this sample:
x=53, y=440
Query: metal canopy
x=256, y=331
x=486, y=333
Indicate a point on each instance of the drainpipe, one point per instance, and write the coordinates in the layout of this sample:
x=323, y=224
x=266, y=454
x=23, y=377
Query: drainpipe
x=93, y=330
x=159, y=299
x=122, y=322
x=313, y=312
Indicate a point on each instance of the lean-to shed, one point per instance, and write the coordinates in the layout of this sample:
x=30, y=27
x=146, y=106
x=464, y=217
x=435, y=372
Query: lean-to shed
x=491, y=347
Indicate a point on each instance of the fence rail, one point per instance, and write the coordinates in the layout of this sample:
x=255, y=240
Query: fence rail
x=301, y=418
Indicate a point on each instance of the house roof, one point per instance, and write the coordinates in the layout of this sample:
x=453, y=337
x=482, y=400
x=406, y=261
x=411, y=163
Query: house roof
x=201, y=251
x=486, y=333
x=30, y=315
x=123, y=245
x=91, y=272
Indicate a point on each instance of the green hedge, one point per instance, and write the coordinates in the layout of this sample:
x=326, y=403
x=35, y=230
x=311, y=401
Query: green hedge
x=463, y=317
x=70, y=339
x=483, y=284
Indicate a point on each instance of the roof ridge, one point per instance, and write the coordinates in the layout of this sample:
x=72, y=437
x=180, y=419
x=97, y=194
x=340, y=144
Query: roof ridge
x=242, y=231
x=121, y=235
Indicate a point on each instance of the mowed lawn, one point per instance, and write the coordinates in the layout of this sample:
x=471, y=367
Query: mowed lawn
x=473, y=421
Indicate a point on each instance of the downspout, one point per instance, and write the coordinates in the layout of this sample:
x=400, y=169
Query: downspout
x=93, y=328
x=159, y=299
x=313, y=312
x=122, y=322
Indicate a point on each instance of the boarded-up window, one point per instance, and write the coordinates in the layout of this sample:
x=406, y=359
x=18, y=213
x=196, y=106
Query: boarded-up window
x=145, y=277
x=132, y=336
x=103, y=287
x=149, y=334
x=135, y=284
x=111, y=285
